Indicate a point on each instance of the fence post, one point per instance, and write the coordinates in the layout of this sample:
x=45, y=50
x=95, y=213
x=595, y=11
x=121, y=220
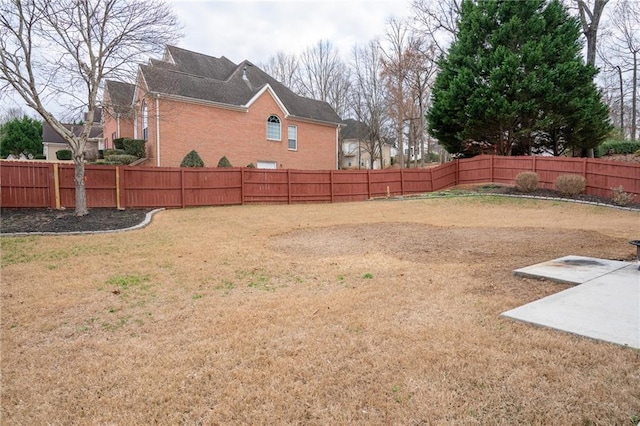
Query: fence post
x=56, y=186
x=457, y=171
x=492, y=157
x=118, y=188
x=182, y=201
x=584, y=168
x=122, y=198
x=288, y=186
x=401, y=181
x=242, y=186
x=331, y=185
x=369, y=182
x=534, y=164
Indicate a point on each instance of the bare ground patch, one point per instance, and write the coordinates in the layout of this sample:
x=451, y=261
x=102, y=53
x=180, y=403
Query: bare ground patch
x=367, y=313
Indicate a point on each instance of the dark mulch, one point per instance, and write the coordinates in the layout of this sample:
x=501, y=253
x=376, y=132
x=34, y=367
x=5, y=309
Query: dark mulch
x=51, y=220
x=548, y=193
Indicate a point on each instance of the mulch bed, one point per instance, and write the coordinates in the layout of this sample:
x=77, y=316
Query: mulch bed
x=51, y=220
x=104, y=219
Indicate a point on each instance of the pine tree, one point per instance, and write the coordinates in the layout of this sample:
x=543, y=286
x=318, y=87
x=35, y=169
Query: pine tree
x=192, y=159
x=514, y=82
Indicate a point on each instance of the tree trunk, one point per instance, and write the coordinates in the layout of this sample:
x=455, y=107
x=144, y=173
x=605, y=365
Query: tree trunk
x=79, y=180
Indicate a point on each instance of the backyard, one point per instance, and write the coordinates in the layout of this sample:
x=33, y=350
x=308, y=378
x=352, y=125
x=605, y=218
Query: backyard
x=378, y=312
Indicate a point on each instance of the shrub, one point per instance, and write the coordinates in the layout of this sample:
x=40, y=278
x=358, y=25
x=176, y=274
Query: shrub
x=63, y=154
x=571, y=184
x=617, y=147
x=224, y=162
x=622, y=198
x=40, y=157
x=119, y=143
x=120, y=159
x=109, y=152
x=101, y=154
x=135, y=147
x=192, y=159
x=251, y=166
x=527, y=181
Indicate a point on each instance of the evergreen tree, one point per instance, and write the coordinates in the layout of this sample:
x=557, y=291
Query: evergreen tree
x=514, y=81
x=192, y=159
x=21, y=135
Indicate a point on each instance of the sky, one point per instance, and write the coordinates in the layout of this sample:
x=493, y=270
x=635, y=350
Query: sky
x=257, y=30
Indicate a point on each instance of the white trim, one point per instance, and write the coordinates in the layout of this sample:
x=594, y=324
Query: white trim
x=275, y=97
x=158, y=131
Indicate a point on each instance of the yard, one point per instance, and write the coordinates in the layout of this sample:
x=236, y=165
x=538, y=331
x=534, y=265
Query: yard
x=381, y=312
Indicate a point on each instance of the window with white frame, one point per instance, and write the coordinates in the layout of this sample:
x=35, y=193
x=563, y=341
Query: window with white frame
x=273, y=128
x=292, y=137
x=145, y=121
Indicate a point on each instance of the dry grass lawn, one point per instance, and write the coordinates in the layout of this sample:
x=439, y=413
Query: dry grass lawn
x=383, y=312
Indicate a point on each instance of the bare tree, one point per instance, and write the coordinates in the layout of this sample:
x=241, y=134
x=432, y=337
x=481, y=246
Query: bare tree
x=395, y=72
x=284, y=68
x=438, y=20
x=623, y=43
x=590, y=14
x=368, y=97
x=65, y=49
x=324, y=76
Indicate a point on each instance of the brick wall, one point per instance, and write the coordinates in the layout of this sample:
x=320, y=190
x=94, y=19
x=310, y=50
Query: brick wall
x=241, y=136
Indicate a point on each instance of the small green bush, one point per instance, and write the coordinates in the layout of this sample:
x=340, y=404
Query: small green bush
x=251, y=166
x=224, y=162
x=119, y=143
x=571, y=184
x=40, y=157
x=63, y=154
x=120, y=159
x=617, y=147
x=110, y=152
x=192, y=159
x=135, y=147
x=527, y=181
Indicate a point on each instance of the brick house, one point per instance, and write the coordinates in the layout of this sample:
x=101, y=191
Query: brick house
x=52, y=141
x=118, y=111
x=190, y=101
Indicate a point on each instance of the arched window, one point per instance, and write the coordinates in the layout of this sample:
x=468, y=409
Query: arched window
x=145, y=121
x=273, y=128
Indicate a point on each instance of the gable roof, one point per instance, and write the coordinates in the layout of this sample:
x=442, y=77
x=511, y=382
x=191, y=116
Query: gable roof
x=121, y=96
x=191, y=75
x=49, y=135
x=355, y=129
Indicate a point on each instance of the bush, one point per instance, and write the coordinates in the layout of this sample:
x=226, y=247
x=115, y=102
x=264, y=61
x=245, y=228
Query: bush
x=571, y=184
x=224, y=162
x=110, y=152
x=119, y=143
x=527, y=181
x=101, y=154
x=622, y=198
x=192, y=159
x=40, y=157
x=135, y=147
x=617, y=147
x=63, y=154
x=120, y=159
x=251, y=166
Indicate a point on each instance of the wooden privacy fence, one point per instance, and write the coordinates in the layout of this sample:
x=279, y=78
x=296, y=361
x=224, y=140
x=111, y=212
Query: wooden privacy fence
x=34, y=184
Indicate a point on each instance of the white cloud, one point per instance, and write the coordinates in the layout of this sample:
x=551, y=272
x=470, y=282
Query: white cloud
x=257, y=30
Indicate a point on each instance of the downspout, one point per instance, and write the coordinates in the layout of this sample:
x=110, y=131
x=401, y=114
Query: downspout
x=117, y=126
x=337, y=147
x=157, y=131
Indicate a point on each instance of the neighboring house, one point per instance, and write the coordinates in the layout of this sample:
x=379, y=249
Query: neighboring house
x=52, y=141
x=190, y=101
x=118, y=111
x=356, y=149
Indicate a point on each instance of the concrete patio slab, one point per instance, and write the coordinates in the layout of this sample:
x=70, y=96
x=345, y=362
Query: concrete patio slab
x=571, y=269
x=606, y=307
